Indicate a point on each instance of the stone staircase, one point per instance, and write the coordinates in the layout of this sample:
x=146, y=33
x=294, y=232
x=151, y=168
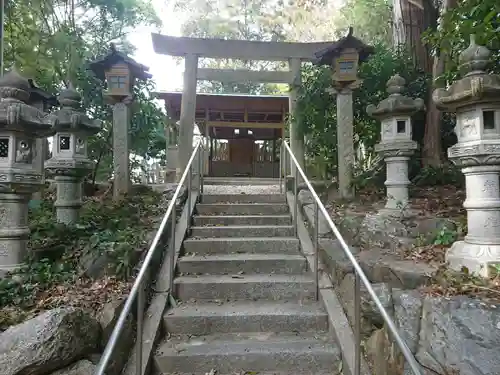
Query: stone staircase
x=246, y=296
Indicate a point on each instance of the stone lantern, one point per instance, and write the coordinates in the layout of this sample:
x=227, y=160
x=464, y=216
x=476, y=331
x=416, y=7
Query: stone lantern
x=344, y=57
x=396, y=145
x=120, y=73
x=69, y=163
x=20, y=125
x=476, y=100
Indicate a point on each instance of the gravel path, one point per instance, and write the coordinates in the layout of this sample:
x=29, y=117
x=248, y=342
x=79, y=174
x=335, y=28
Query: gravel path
x=241, y=189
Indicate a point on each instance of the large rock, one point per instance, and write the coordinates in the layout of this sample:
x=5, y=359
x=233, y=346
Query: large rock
x=48, y=342
x=370, y=315
x=323, y=226
x=460, y=334
x=169, y=191
x=407, y=314
x=108, y=316
x=335, y=259
x=383, y=266
x=82, y=367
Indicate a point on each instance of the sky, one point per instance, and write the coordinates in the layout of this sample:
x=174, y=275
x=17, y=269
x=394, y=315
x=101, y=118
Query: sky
x=166, y=73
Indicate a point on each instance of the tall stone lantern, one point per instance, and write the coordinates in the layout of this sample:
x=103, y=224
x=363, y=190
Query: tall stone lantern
x=120, y=72
x=476, y=100
x=20, y=125
x=344, y=57
x=69, y=163
x=396, y=145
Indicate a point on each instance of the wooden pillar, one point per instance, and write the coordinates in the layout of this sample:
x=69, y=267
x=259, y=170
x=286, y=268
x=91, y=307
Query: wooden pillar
x=188, y=112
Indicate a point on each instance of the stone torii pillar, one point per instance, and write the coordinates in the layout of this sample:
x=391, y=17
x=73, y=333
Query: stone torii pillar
x=476, y=100
x=20, y=125
x=188, y=113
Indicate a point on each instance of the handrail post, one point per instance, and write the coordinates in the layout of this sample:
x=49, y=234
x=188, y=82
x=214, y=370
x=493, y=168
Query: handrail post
x=281, y=168
x=171, y=254
x=201, y=156
x=189, y=187
x=357, y=324
x=296, y=202
x=316, y=248
x=140, y=328
x=285, y=168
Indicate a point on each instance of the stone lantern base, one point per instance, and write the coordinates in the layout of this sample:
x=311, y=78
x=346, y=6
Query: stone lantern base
x=481, y=246
x=14, y=230
x=396, y=156
x=69, y=198
x=477, y=258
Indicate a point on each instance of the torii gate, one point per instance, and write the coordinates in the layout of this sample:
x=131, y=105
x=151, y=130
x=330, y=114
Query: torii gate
x=194, y=48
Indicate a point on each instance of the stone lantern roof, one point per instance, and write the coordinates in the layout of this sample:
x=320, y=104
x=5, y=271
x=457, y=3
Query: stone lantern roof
x=71, y=117
x=396, y=103
x=114, y=57
x=476, y=86
x=326, y=55
x=39, y=95
x=16, y=113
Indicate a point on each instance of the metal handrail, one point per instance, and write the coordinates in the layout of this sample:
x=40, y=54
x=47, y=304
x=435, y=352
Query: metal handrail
x=359, y=274
x=138, y=289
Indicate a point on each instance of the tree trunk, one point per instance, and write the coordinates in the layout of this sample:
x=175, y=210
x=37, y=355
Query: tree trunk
x=432, y=150
x=431, y=153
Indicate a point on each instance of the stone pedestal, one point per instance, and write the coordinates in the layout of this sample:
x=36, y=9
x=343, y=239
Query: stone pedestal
x=396, y=156
x=121, y=148
x=68, y=199
x=14, y=230
x=481, y=245
x=476, y=100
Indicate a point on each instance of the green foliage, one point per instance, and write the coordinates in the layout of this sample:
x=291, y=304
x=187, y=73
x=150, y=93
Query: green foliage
x=445, y=237
x=478, y=17
x=116, y=229
x=447, y=174
x=317, y=110
x=360, y=14
x=52, y=42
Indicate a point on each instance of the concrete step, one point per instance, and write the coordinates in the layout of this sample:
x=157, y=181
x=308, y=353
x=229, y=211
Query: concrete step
x=259, y=316
x=243, y=220
x=222, y=264
x=254, y=352
x=243, y=198
x=243, y=231
x=242, y=209
x=245, y=287
x=255, y=245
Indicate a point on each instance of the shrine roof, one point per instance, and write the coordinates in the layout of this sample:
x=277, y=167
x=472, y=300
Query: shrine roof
x=260, y=113
x=228, y=102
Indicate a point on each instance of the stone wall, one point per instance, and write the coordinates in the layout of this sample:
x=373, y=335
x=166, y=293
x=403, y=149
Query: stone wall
x=449, y=336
